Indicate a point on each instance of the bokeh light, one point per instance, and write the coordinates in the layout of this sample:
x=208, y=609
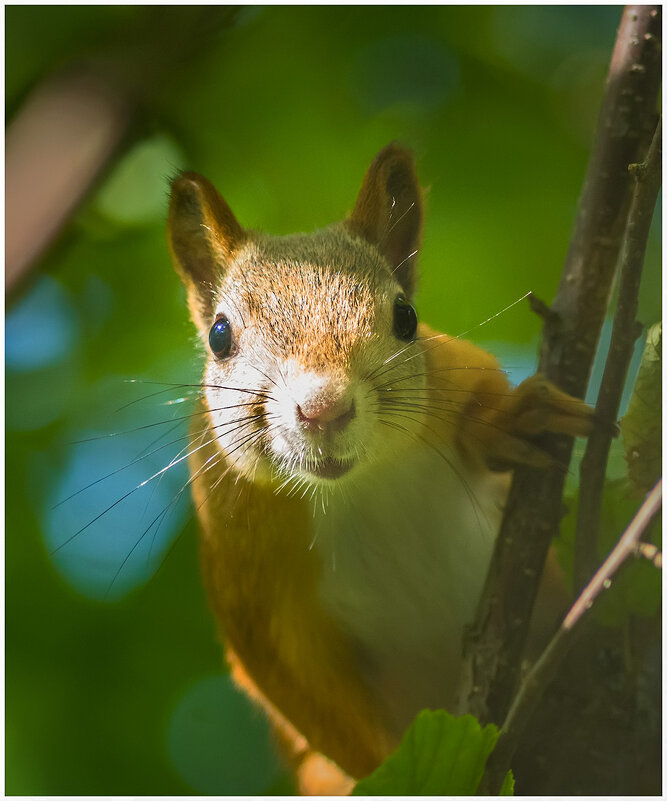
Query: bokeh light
x=219, y=742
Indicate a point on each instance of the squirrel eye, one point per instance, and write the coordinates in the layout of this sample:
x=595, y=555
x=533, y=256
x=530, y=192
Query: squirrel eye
x=405, y=319
x=220, y=337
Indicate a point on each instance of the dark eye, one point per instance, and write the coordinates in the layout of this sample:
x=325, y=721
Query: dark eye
x=220, y=337
x=405, y=319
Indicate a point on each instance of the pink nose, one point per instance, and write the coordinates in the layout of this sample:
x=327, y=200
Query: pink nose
x=326, y=415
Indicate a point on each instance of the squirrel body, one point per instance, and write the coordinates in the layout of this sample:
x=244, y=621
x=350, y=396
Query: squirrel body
x=351, y=473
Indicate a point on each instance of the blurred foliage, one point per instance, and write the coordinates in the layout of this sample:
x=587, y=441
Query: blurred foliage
x=109, y=674
x=638, y=586
x=635, y=465
x=642, y=425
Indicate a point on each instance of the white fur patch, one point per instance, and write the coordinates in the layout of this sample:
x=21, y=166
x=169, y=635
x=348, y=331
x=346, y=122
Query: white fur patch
x=405, y=547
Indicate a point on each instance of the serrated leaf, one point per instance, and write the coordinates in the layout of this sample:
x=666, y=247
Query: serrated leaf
x=440, y=755
x=642, y=424
x=508, y=784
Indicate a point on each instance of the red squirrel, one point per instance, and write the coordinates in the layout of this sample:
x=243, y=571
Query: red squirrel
x=351, y=475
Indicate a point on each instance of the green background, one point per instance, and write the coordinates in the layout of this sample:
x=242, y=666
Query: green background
x=114, y=675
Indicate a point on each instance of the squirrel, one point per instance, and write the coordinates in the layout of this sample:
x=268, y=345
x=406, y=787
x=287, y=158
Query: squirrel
x=351, y=473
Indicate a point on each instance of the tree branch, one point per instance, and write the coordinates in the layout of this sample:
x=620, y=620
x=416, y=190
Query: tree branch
x=624, y=333
x=71, y=125
x=57, y=145
x=538, y=678
x=570, y=337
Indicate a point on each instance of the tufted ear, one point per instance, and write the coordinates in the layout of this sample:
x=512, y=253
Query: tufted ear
x=203, y=235
x=388, y=212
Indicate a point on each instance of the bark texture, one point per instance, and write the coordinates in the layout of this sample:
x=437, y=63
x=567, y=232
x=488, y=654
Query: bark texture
x=571, y=332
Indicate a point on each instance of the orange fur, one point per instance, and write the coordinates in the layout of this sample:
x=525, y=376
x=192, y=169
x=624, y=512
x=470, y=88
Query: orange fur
x=494, y=423
x=261, y=579
x=262, y=576
x=312, y=314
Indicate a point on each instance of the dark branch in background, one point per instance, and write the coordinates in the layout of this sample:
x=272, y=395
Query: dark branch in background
x=71, y=125
x=571, y=331
x=624, y=333
x=57, y=144
x=540, y=675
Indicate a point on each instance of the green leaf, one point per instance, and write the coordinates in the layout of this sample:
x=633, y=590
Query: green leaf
x=440, y=755
x=508, y=784
x=642, y=424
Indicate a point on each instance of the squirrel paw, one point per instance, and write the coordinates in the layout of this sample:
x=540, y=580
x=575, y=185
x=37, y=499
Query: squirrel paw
x=539, y=406
x=536, y=406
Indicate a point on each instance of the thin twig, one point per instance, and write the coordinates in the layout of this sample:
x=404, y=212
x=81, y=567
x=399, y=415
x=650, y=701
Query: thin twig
x=624, y=333
x=538, y=678
x=570, y=336
x=539, y=306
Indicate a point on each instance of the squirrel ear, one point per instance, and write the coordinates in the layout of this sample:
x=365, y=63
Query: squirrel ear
x=203, y=235
x=388, y=212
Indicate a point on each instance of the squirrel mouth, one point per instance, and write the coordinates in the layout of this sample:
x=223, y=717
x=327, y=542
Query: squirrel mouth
x=331, y=468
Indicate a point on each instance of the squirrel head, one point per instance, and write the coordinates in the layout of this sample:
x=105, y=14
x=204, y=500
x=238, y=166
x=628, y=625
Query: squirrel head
x=305, y=333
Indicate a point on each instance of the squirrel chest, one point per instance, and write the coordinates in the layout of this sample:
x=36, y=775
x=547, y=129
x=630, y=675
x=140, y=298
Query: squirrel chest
x=404, y=554
x=362, y=593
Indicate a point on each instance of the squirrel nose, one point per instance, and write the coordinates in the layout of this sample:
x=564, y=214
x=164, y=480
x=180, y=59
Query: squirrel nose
x=326, y=415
